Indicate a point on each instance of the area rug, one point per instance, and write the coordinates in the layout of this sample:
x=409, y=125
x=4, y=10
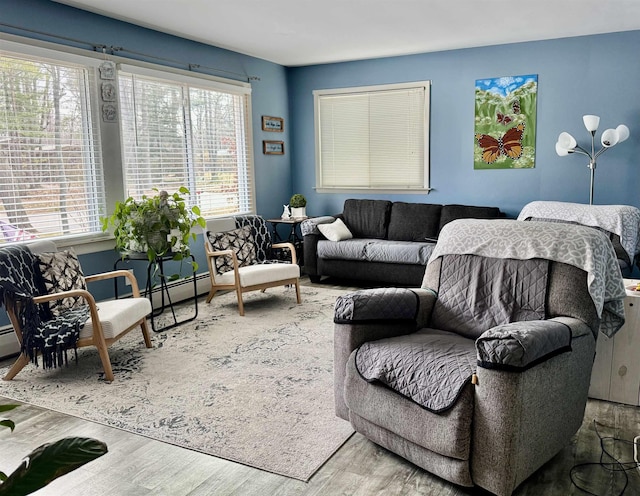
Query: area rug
x=256, y=389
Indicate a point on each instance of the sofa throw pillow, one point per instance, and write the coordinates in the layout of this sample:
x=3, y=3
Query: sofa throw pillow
x=240, y=241
x=336, y=231
x=61, y=271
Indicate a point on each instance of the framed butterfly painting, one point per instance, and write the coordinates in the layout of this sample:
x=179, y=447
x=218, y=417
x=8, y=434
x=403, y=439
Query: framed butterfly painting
x=505, y=122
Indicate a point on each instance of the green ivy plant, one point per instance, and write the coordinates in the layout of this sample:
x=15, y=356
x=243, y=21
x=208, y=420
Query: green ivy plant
x=156, y=225
x=298, y=201
x=48, y=462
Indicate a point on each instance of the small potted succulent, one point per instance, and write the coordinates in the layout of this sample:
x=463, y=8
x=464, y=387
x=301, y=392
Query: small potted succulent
x=157, y=225
x=298, y=204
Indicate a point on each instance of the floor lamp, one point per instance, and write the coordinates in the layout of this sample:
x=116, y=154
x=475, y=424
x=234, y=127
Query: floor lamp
x=567, y=144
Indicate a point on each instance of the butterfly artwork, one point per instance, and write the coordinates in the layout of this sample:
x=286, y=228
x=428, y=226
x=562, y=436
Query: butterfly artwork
x=505, y=122
x=509, y=144
x=503, y=119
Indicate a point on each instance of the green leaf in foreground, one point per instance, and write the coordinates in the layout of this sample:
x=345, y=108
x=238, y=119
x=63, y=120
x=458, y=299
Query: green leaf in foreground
x=50, y=461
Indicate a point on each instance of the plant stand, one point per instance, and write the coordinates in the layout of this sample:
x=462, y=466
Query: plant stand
x=157, y=267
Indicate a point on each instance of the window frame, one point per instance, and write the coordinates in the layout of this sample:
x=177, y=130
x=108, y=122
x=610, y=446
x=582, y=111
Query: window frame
x=110, y=133
x=54, y=54
x=213, y=84
x=374, y=89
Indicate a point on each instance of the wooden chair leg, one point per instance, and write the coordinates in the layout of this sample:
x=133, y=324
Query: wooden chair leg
x=212, y=292
x=106, y=362
x=240, y=302
x=298, y=291
x=145, y=333
x=19, y=364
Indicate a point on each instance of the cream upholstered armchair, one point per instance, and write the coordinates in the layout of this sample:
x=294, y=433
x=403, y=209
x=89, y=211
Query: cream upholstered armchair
x=45, y=294
x=240, y=258
x=481, y=375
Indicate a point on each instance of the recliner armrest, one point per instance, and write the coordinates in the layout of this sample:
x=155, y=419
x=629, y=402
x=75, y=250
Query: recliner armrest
x=376, y=305
x=521, y=345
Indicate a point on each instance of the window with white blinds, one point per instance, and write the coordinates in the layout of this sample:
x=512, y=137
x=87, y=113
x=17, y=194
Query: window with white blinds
x=181, y=132
x=373, y=138
x=50, y=156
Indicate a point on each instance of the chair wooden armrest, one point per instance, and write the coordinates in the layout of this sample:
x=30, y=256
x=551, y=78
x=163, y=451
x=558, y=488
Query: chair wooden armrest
x=135, y=290
x=290, y=247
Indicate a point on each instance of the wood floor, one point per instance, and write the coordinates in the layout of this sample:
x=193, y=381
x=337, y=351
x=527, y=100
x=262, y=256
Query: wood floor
x=138, y=466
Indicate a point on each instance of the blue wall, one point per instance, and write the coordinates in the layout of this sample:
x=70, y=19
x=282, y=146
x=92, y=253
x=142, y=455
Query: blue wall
x=576, y=76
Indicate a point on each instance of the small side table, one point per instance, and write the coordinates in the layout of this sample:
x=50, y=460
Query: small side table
x=293, y=237
x=157, y=266
x=616, y=369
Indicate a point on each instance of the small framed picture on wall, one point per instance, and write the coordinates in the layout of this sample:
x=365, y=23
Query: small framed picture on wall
x=273, y=147
x=272, y=124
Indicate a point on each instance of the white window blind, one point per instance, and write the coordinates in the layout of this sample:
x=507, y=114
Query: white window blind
x=50, y=157
x=373, y=138
x=177, y=133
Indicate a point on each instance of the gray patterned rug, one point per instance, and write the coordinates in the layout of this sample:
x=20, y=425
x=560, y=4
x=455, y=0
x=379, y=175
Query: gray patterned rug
x=255, y=389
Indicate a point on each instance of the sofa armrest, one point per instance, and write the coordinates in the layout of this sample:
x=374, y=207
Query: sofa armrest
x=311, y=235
x=372, y=314
x=521, y=345
x=310, y=226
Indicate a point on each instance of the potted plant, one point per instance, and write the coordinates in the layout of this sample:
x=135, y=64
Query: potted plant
x=298, y=205
x=156, y=225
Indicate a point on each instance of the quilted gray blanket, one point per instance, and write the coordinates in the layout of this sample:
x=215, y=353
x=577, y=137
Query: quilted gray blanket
x=430, y=367
x=580, y=246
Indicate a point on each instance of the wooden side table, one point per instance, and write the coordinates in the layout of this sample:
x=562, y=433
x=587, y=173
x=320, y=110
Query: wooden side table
x=293, y=236
x=616, y=369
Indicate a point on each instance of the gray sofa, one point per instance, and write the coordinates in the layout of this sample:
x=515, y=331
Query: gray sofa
x=481, y=375
x=391, y=244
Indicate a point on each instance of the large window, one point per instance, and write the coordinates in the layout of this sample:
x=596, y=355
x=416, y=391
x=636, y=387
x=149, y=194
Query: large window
x=373, y=138
x=183, y=132
x=50, y=155
x=63, y=165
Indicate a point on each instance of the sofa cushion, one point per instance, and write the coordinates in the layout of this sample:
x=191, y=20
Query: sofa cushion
x=367, y=218
x=376, y=250
x=453, y=212
x=404, y=252
x=414, y=221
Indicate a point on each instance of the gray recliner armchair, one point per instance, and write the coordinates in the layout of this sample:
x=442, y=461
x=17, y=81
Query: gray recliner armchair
x=481, y=375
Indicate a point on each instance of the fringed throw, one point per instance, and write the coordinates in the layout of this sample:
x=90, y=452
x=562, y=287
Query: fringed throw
x=19, y=284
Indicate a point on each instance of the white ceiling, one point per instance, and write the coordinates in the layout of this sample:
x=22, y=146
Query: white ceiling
x=304, y=32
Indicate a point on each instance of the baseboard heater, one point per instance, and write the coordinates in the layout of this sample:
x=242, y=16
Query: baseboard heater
x=179, y=290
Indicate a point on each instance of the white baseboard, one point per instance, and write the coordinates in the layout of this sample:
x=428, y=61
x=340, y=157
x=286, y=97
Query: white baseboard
x=182, y=289
x=8, y=342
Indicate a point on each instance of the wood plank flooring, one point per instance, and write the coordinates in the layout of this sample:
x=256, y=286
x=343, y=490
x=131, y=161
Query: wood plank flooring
x=138, y=466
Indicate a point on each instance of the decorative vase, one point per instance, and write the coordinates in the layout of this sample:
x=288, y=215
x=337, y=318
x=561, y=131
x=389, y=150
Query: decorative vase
x=298, y=212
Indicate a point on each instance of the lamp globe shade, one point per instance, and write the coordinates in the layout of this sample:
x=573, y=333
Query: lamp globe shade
x=560, y=150
x=609, y=138
x=565, y=140
x=591, y=122
x=623, y=133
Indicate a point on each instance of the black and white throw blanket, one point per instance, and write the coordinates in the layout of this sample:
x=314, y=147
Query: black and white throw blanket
x=20, y=283
x=580, y=246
